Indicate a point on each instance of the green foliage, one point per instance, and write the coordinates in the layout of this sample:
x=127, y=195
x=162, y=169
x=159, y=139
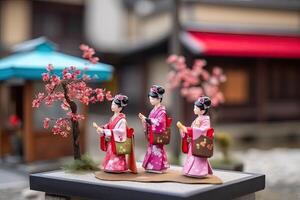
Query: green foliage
x=231, y=164
x=86, y=163
x=224, y=142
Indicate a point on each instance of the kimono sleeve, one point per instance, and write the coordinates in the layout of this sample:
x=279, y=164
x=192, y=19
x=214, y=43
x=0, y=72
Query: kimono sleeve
x=204, y=126
x=119, y=131
x=159, y=122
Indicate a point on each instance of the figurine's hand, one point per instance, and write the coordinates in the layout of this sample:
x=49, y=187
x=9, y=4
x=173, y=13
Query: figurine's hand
x=95, y=125
x=181, y=127
x=98, y=128
x=142, y=117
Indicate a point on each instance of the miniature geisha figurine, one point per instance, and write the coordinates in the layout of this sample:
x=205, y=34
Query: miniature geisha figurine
x=116, y=131
x=197, y=141
x=157, y=129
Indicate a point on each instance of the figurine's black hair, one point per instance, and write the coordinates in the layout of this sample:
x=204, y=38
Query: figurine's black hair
x=120, y=102
x=205, y=105
x=160, y=91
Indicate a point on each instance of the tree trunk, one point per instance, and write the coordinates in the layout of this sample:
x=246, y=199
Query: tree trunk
x=75, y=124
x=76, y=145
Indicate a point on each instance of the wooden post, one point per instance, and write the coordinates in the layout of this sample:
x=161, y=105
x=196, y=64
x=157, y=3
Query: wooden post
x=28, y=135
x=83, y=129
x=261, y=89
x=1, y=121
x=177, y=104
x=174, y=46
x=5, y=146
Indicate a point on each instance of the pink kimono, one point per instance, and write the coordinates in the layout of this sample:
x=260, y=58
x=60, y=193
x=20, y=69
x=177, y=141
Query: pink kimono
x=156, y=156
x=113, y=162
x=194, y=165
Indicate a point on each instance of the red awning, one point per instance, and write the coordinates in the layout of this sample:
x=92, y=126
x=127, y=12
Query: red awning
x=243, y=45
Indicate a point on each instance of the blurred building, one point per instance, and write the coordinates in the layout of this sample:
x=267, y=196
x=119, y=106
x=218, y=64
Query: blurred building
x=256, y=42
x=24, y=137
x=133, y=35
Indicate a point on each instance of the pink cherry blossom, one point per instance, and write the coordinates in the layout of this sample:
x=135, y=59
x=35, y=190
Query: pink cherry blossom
x=181, y=60
x=195, y=81
x=36, y=103
x=205, y=75
x=49, y=99
x=56, y=130
x=69, y=88
x=83, y=47
x=64, y=105
x=193, y=93
x=184, y=91
x=109, y=96
x=88, y=53
x=67, y=76
x=85, y=100
x=86, y=77
x=100, y=97
x=49, y=67
x=61, y=127
x=222, y=78
x=94, y=60
x=217, y=71
x=45, y=77
x=172, y=58
x=59, y=96
x=49, y=88
x=75, y=117
x=55, y=80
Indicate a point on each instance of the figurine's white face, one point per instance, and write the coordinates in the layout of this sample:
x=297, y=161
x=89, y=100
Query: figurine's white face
x=197, y=110
x=154, y=101
x=115, y=108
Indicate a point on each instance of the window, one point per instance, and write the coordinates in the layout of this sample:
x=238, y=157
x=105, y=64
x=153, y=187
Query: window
x=236, y=88
x=283, y=80
x=61, y=23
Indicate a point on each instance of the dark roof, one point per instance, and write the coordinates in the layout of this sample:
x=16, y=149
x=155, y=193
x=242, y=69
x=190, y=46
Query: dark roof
x=161, y=5
x=239, y=29
x=138, y=52
x=272, y=4
x=156, y=7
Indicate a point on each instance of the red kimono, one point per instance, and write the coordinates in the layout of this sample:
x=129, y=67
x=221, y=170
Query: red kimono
x=116, y=130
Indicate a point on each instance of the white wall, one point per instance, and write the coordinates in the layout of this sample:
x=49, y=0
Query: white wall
x=105, y=23
x=15, y=21
x=111, y=27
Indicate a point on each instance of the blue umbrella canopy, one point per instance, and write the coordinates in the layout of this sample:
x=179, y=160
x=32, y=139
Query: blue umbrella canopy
x=32, y=57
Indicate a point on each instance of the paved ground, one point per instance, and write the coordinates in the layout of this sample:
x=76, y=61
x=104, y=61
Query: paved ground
x=11, y=184
x=281, y=167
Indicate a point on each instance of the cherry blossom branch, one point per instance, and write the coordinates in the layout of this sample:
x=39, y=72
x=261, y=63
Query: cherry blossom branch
x=195, y=81
x=74, y=88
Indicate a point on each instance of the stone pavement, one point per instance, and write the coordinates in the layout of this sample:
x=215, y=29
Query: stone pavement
x=11, y=184
x=15, y=186
x=281, y=167
x=10, y=178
